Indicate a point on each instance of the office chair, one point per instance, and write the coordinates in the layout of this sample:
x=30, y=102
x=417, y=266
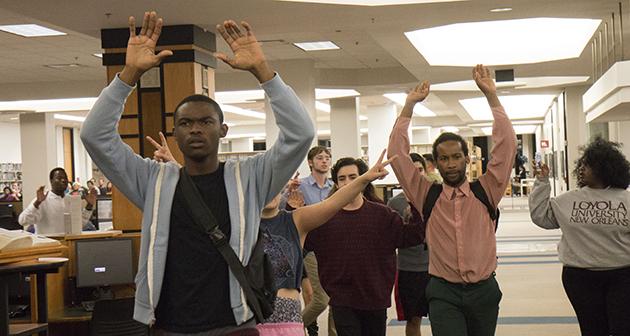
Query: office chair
x=115, y=317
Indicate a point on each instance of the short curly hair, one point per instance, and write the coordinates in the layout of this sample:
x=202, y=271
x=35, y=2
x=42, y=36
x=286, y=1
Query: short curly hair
x=607, y=163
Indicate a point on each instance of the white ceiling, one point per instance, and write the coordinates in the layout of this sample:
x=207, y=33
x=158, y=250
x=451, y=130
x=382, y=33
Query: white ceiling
x=375, y=56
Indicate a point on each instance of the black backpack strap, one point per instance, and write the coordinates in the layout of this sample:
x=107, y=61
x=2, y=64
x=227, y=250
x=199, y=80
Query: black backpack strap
x=434, y=193
x=203, y=217
x=481, y=195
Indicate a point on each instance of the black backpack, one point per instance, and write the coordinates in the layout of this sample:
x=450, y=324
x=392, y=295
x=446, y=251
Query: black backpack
x=436, y=189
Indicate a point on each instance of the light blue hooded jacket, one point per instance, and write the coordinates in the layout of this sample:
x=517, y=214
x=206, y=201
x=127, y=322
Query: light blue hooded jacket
x=250, y=183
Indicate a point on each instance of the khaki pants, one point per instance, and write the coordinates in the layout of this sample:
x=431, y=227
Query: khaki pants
x=320, y=298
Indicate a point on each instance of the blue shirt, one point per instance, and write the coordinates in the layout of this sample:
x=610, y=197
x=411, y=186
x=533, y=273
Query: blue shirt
x=282, y=244
x=312, y=192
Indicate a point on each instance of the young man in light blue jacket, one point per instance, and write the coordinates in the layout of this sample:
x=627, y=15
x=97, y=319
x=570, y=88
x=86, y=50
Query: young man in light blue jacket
x=183, y=285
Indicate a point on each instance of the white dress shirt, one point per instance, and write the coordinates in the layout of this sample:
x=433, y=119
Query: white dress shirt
x=49, y=218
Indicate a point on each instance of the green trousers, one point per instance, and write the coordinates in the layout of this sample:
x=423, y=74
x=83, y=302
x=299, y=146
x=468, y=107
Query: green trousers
x=463, y=309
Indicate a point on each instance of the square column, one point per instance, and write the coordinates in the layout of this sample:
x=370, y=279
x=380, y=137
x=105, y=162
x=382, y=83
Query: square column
x=345, y=127
x=381, y=119
x=39, y=151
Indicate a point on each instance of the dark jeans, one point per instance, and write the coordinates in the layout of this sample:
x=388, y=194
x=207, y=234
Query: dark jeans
x=355, y=322
x=601, y=300
x=463, y=309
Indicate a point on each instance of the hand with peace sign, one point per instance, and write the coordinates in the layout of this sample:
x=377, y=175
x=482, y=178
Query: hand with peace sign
x=162, y=152
x=141, y=48
x=248, y=54
x=378, y=171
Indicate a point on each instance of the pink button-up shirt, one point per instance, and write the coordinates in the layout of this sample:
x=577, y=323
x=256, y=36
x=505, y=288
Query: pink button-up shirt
x=460, y=233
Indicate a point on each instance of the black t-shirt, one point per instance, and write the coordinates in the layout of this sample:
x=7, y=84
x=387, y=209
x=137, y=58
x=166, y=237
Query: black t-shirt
x=195, y=290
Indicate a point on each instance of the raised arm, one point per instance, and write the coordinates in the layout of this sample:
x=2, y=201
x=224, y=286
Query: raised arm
x=310, y=217
x=31, y=215
x=415, y=185
x=497, y=175
x=124, y=168
x=278, y=163
x=540, y=209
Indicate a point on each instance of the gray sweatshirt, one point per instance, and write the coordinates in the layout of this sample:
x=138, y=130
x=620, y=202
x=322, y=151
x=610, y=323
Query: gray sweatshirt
x=250, y=184
x=595, y=224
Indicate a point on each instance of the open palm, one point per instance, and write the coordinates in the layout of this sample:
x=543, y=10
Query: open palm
x=484, y=80
x=141, y=48
x=247, y=51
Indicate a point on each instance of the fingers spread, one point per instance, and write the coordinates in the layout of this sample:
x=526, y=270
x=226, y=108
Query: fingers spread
x=221, y=29
x=152, y=22
x=132, y=26
x=163, y=139
x=145, y=24
x=380, y=159
x=153, y=142
x=163, y=54
x=223, y=57
x=247, y=27
x=158, y=30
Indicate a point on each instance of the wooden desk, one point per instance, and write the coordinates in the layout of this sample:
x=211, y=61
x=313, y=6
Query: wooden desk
x=40, y=269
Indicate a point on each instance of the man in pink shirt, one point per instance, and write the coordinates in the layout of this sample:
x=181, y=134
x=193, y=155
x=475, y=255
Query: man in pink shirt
x=462, y=292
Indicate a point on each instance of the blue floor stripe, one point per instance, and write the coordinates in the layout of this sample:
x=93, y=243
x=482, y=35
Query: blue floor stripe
x=511, y=320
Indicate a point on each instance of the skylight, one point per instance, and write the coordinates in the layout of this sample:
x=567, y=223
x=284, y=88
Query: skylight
x=419, y=109
x=30, y=30
x=317, y=46
x=517, y=107
x=518, y=129
x=521, y=41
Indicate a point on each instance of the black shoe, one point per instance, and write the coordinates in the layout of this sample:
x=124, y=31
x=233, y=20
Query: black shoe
x=312, y=329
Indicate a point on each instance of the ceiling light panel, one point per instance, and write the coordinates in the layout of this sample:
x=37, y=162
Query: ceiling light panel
x=371, y=2
x=518, y=83
x=68, y=117
x=419, y=110
x=242, y=111
x=49, y=105
x=521, y=41
x=30, y=30
x=335, y=93
x=317, y=46
x=244, y=96
x=516, y=107
x=518, y=129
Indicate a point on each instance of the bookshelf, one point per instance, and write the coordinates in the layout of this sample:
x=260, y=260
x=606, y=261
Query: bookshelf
x=9, y=173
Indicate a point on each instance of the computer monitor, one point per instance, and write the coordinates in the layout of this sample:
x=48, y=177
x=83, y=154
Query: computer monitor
x=104, y=214
x=104, y=262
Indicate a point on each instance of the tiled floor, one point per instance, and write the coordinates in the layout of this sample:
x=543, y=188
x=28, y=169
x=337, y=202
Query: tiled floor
x=534, y=302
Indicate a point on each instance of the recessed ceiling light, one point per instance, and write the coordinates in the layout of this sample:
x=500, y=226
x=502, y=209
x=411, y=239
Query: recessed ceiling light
x=63, y=66
x=242, y=111
x=419, y=109
x=335, y=93
x=516, y=107
x=322, y=107
x=521, y=41
x=514, y=122
x=451, y=129
x=49, y=105
x=68, y=117
x=518, y=129
x=98, y=55
x=317, y=46
x=243, y=96
x=498, y=10
x=30, y=30
x=519, y=82
x=14, y=118
x=371, y=2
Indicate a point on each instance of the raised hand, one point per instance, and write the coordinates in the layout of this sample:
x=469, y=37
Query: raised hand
x=378, y=171
x=293, y=183
x=295, y=199
x=248, y=54
x=541, y=170
x=162, y=152
x=484, y=80
x=91, y=197
x=141, y=48
x=41, y=196
x=419, y=93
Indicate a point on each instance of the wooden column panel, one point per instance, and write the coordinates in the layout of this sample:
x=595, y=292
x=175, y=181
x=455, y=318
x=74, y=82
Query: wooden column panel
x=179, y=83
x=151, y=119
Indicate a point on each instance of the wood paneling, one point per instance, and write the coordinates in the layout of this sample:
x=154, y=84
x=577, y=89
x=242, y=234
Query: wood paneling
x=151, y=119
x=131, y=106
x=179, y=83
x=177, y=154
x=170, y=124
x=134, y=143
x=128, y=126
x=68, y=151
x=126, y=215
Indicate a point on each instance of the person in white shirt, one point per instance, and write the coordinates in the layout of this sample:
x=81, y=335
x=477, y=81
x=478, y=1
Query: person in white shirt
x=46, y=211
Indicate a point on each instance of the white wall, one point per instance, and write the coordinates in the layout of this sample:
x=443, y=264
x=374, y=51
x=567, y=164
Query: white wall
x=10, y=138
